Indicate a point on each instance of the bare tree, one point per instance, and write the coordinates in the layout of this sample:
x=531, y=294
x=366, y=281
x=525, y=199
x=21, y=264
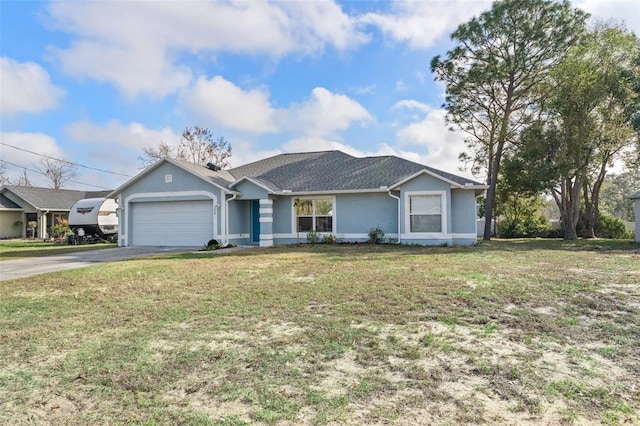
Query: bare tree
x=197, y=145
x=58, y=171
x=23, y=180
x=4, y=180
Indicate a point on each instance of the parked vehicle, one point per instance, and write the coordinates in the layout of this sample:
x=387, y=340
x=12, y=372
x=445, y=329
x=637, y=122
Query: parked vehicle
x=94, y=219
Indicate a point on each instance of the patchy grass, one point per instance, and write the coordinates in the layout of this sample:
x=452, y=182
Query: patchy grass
x=524, y=332
x=13, y=249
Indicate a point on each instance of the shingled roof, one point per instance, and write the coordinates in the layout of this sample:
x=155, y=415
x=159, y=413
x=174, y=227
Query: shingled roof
x=335, y=171
x=52, y=199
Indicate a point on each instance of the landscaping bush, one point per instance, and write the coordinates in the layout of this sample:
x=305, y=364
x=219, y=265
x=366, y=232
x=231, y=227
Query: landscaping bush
x=611, y=227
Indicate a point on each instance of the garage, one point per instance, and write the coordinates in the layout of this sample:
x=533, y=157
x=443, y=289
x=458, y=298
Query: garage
x=172, y=223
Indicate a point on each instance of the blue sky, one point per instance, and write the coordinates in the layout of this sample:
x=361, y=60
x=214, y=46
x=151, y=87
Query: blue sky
x=95, y=82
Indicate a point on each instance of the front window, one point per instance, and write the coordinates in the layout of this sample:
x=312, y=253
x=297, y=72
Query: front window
x=425, y=213
x=312, y=214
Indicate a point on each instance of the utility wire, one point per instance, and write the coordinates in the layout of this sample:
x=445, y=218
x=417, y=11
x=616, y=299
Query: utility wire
x=63, y=161
x=44, y=174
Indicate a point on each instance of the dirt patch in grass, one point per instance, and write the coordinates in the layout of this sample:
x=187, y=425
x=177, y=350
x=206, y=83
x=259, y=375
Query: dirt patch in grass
x=505, y=333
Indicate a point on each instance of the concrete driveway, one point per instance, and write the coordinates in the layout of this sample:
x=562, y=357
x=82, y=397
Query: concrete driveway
x=26, y=267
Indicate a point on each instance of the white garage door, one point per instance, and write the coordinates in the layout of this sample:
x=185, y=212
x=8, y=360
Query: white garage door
x=172, y=223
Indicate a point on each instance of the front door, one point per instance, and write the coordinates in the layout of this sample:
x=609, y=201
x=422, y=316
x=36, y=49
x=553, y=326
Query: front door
x=255, y=221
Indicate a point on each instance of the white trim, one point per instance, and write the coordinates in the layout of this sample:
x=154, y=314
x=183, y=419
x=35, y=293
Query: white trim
x=256, y=183
x=267, y=210
x=266, y=236
x=266, y=201
x=443, y=213
x=466, y=235
x=332, y=192
x=429, y=173
x=166, y=197
x=238, y=236
x=265, y=220
x=264, y=243
x=155, y=166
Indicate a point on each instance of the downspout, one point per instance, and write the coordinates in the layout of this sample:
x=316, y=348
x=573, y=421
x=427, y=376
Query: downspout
x=226, y=218
x=397, y=198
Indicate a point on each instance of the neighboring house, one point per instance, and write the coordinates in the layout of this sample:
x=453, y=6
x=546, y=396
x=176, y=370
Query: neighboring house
x=20, y=205
x=636, y=204
x=280, y=199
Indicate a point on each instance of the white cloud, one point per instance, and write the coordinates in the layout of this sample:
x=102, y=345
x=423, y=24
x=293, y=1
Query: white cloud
x=35, y=142
x=25, y=87
x=318, y=143
x=231, y=107
x=627, y=11
x=246, y=151
x=136, y=45
x=116, y=147
x=116, y=135
x=421, y=23
x=431, y=133
x=325, y=113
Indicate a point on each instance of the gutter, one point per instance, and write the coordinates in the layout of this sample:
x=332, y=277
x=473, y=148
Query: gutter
x=397, y=198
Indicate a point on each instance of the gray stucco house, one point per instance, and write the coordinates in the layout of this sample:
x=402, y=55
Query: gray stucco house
x=20, y=205
x=636, y=207
x=280, y=199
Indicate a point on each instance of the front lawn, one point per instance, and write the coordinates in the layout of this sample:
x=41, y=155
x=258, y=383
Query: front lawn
x=523, y=332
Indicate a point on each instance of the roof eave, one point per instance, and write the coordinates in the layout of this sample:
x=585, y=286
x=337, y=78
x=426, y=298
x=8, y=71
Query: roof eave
x=253, y=181
x=432, y=174
x=331, y=192
x=149, y=169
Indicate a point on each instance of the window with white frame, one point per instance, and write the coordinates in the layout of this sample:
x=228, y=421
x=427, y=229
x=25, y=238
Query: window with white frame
x=314, y=214
x=425, y=213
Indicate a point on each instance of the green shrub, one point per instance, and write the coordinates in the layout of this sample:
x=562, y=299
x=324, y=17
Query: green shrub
x=611, y=227
x=313, y=237
x=520, y=215
x=376, y=236
x=329, y=239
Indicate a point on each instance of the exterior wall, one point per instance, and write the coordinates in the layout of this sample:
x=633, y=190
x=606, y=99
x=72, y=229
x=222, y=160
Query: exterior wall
x=357, y=214
x=250, y=191
x=282, y=214
x=169, y=183
x=239, y=221
x=463, y=217
x=7, y=228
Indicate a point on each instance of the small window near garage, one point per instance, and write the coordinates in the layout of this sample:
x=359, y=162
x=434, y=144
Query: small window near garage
x=168, y=178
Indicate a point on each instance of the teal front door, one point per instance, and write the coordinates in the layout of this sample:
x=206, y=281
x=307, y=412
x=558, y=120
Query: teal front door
x=255, y=221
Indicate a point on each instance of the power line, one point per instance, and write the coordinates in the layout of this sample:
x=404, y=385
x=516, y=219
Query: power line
x=64, y=161
x=44, y=174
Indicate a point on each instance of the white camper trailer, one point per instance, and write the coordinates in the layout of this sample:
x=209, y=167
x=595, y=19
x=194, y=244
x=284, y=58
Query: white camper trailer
x=93, y=219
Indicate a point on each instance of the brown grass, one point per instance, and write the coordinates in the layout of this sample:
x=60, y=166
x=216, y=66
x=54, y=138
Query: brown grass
x=503, y=333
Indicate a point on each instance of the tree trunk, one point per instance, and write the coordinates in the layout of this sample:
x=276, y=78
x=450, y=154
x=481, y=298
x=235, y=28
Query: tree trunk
x=589, y=224
x=573, y=207
x=593, y=203
x=493, y=172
